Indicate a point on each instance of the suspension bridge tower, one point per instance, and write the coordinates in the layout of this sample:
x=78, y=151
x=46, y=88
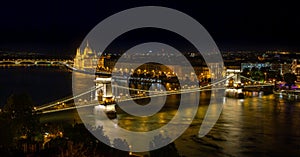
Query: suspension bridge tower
x=104, y=89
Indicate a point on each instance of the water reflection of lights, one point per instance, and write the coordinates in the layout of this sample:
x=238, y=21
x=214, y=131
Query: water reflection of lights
x=260, y=94
x=224, y=100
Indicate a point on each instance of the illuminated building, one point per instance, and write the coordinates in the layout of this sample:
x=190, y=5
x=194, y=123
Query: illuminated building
x=87, y=59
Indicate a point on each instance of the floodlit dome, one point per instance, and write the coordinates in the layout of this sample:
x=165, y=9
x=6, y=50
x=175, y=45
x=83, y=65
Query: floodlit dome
x=88, y=50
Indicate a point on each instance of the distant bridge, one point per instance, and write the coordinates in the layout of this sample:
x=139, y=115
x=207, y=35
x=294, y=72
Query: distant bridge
x=49, y=62
x=28, y=62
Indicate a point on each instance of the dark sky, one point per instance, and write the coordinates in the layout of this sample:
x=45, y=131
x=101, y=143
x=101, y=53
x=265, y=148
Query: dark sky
x=58, y=27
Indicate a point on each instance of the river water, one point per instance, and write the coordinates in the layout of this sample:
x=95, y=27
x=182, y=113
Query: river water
x=262, y=125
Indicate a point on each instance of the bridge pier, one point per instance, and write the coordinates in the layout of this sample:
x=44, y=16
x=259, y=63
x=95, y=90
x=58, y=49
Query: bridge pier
x=104, y=89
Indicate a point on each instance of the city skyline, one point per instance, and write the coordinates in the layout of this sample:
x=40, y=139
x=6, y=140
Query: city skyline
x=164, y=89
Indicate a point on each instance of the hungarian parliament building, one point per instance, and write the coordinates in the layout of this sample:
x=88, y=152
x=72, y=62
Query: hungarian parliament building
x=87, y=59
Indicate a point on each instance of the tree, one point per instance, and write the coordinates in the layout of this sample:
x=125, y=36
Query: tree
x=18, y=113
x=290, y=79
x=18, y=106
x=168, y=150
x=256, y=74
x=5, y=132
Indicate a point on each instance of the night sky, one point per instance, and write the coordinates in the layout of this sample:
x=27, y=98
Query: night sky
x=58, y=27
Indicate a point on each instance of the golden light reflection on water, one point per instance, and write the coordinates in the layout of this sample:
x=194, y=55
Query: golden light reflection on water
x=144, y=124
x=254, y=124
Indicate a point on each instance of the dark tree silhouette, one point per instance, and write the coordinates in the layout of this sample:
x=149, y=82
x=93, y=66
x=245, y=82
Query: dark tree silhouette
x=18, y=111
x=256, y=74
x=6, y=135
x=290, y=79
x=119, y=143
x=168, y=150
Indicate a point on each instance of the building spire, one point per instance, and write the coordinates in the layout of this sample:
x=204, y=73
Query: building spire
x=87, y=43
x=78, y=52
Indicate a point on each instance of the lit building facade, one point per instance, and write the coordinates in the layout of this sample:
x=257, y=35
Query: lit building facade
x=87, y=59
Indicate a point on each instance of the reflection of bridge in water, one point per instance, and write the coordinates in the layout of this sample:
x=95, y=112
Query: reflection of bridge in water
x=102, y=86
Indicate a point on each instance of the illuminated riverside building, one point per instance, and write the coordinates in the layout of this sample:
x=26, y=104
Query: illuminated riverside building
x=201, y=72
x=296, y=69
x=87, y=59
x=282, y=68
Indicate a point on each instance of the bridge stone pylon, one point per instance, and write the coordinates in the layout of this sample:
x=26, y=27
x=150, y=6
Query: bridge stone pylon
x=104, y=89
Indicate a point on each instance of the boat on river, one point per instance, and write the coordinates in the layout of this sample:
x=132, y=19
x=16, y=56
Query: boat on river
x=288, y=94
